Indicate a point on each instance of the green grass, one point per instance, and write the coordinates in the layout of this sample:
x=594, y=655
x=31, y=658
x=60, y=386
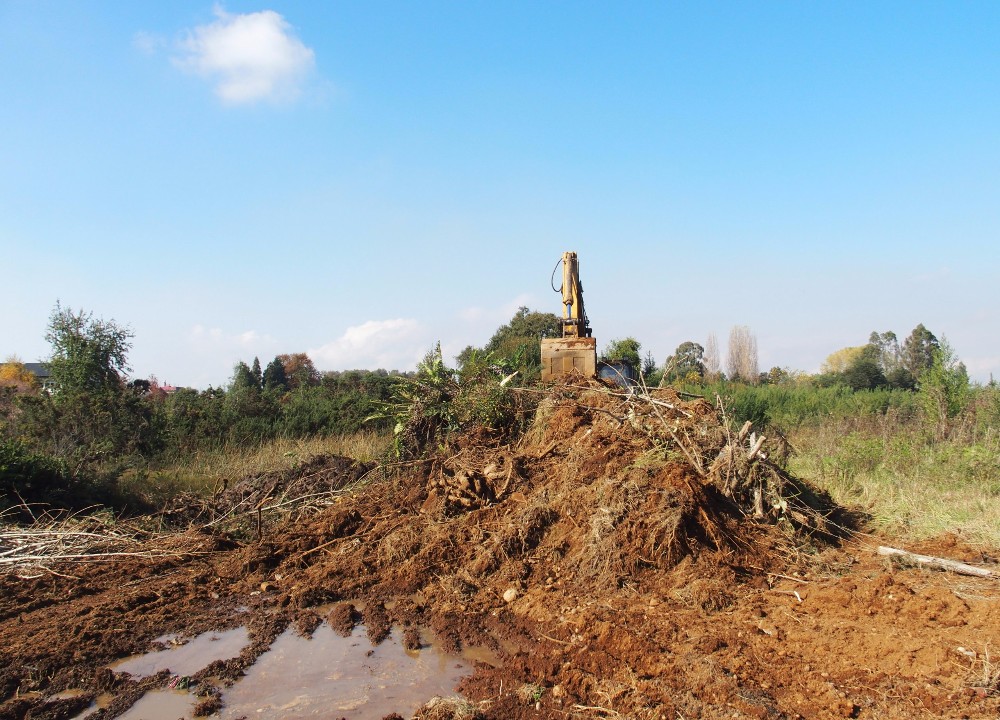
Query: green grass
x=912, y=485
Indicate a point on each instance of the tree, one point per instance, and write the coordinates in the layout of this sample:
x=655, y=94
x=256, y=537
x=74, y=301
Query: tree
x=528, y=325
x=865, y=371
x=687, y=364
x=299, y=370
x=917, y=355
x=944, y=388
x=710, y=358
x=87, y=354
x=887, y=345
x=515, y=345
x=274, y=376
x=519, y=341
x=742, y=364
x=778, y=376
x=243, y=378
x=625, y=350
x=258, y=376
x=838, y=361
x=92, y=420
x=650, y=372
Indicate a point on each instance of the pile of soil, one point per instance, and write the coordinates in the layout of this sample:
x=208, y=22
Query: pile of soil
x=629, y=556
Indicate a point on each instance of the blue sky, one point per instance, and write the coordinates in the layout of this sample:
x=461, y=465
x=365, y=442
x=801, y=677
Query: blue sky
x=361, y=179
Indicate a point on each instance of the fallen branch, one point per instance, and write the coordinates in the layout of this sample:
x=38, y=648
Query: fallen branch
x=936, y=562
x=24, y=549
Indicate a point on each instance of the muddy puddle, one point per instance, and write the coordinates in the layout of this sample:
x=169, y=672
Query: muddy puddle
x=186, y=658
x=301, y=677
x=329, y=673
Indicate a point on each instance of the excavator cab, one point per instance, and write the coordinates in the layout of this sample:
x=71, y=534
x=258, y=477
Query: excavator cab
x=576, y=350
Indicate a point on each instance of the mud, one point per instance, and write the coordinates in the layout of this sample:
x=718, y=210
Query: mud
x=615, y=562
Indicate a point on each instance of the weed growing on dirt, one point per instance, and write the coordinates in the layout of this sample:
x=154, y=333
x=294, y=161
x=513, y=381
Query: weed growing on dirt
x=530, y=692
x=984, y=674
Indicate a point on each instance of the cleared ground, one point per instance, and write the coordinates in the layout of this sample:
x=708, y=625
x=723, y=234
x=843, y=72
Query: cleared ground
x=626, y=558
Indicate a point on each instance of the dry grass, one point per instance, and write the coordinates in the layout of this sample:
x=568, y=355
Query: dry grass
x=57, y=540
x=984, y=673
x=203, y=472
x=448, y=708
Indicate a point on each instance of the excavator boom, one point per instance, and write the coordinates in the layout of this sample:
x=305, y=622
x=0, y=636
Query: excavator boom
x=575, y=322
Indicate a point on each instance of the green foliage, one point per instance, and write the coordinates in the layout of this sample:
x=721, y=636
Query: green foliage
x=944, y=389
x=787, y=406
x=526, y=325
x=687, y=364
x=436, y=401
x=917, y=354
x=91, y=419
x=864, y=371
x=517, y=345
x=30, y=477
x=87, y=430
x=421, y=406
x=191, y=421
x=256, y=374
x=242, y=378
x=625, y=350
x=88, y=355
x=274, y=376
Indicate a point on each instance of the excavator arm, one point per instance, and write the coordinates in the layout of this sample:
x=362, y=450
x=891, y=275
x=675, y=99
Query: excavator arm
x=574, y=323
x=576, y=350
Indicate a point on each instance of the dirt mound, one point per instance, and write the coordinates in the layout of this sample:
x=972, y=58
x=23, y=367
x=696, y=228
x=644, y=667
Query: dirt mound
x=629, y=556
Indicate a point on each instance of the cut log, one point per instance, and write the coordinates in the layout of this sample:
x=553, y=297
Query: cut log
x=936, y=562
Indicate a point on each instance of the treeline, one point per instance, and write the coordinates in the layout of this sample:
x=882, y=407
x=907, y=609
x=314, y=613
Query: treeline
x=93, y=423
x=290, y=399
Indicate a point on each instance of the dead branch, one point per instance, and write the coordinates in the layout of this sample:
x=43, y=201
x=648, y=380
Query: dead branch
x=936, y=562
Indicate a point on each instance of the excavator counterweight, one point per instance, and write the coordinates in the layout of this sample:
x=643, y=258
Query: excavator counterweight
x=576, y=350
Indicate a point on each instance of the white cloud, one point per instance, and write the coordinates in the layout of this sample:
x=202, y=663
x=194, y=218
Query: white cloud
x=248, y=57
x=390, y=344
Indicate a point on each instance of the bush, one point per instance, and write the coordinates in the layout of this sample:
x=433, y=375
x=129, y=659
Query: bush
x=30, y=477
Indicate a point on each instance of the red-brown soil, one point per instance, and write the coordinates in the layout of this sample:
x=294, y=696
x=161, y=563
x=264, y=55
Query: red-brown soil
x=612, y=573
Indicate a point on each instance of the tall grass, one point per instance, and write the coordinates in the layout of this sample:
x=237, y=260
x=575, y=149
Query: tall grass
x=916, y=473
x=912, y=482
x=203, y=472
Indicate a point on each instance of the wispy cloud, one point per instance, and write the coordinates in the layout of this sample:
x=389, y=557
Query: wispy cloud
x=493, y=317
x=147, y=43
x=211, y=352
x=248, y=57
x=248, y=341
x=390, y=344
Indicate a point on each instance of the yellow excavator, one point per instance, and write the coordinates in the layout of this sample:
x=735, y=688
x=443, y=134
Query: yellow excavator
x=576, y=350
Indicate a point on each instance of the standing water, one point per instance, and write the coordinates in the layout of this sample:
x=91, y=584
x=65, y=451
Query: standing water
x=310, y=678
